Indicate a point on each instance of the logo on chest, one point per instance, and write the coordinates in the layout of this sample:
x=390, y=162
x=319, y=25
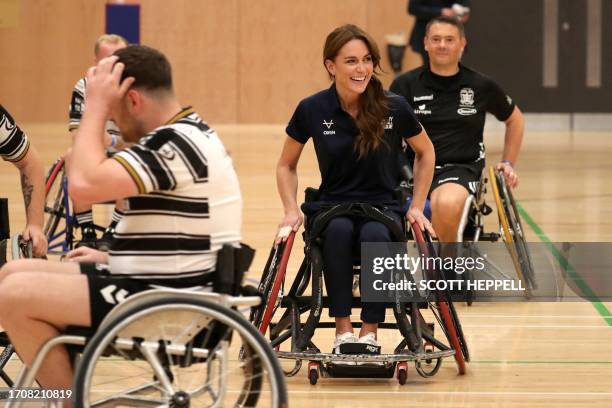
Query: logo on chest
x=328, y=125
x=466, y=102
x=422, y=110
x=388, y=124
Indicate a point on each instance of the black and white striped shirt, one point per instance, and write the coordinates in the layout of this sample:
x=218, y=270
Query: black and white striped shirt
x=14, y=144
x=189, y=204
x=77, y=108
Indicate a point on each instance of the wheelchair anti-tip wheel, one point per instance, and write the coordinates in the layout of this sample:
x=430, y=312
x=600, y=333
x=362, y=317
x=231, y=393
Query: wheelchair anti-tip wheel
x=179, y=353
x=512, y=230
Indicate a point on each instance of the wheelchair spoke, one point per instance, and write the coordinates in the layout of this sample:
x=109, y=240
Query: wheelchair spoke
x=201, y=362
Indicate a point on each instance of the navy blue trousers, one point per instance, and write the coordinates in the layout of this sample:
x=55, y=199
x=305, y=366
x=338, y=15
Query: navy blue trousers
x=341, y=249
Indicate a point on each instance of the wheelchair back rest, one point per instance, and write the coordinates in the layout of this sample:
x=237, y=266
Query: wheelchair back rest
x=5, y=232
x=232, y=264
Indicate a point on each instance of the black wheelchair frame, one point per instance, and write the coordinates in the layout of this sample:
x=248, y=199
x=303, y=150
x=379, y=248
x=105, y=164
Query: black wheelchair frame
x=59, y=217
x=418, y=344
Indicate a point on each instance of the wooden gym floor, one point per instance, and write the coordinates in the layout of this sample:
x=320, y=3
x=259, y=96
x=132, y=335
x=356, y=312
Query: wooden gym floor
x=523, y=354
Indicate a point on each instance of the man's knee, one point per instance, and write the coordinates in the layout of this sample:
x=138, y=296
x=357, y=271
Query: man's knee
x=448, y=202
x=10, y=268
x=13, y=294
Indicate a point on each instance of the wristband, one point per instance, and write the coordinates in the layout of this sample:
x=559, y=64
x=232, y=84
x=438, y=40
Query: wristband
x=113, y=140
x=508, y=162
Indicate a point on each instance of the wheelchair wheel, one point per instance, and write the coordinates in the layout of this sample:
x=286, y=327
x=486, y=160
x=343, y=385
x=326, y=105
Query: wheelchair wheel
x=270, y=284
x=20, y=249
x=179, y=353
x=512, y=229
x=55, y=209
x=443, y=309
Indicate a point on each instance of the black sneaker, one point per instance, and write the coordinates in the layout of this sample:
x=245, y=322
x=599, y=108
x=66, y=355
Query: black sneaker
x=104, y=243
x=88, y=237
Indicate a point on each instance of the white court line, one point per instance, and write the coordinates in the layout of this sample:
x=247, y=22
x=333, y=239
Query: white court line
x=509, y=393
x=466, y=316
x=518, y=326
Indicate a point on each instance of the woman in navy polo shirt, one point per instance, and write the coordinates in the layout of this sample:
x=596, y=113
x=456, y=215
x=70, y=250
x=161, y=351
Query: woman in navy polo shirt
x=357, y=130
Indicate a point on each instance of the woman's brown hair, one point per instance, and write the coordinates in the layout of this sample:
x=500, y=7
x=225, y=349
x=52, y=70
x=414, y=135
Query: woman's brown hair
x=373, y=108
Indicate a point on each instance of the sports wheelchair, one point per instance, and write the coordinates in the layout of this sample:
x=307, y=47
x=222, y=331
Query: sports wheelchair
x=174, y=348
x=59, y=217
x=418, y=342
x=471, y=228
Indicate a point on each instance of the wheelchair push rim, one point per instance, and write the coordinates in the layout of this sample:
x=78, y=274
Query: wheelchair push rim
x=512, y=231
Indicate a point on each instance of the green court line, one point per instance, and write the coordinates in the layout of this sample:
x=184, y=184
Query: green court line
x=569, y=269
x=538, y=362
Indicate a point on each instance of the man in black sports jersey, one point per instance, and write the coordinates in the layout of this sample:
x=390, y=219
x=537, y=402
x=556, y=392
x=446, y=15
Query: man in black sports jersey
x=451, y=100
x=15, y=148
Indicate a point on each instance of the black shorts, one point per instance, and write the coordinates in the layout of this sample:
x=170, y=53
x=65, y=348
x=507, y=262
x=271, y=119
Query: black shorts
x=467, y=175
x=106, y=291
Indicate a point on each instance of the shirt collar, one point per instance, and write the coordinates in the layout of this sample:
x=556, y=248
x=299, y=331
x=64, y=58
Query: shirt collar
x=183, y=113
x=332, y=98
x=428, y=77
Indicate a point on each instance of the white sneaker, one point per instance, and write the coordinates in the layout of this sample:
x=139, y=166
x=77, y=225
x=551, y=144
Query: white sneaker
x=343, y=338
x=369, y=338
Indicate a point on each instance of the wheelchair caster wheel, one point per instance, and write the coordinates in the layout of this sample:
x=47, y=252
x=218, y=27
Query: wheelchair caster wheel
x=402, y=372
x=313, y=373
x=428, y=351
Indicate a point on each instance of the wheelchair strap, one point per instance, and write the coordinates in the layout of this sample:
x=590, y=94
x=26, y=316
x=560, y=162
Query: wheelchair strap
x=361, y=210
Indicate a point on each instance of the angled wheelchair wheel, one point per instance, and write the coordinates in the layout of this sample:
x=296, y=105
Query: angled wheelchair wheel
x=179, y=353
x=512, y=229
x=55, y=208
x=443, y=308
x=270, y=284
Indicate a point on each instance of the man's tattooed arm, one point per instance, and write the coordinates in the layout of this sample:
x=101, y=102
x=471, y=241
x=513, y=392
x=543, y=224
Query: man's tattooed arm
x=27, y=188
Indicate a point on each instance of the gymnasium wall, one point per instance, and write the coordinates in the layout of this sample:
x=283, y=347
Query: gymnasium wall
x=236, y=61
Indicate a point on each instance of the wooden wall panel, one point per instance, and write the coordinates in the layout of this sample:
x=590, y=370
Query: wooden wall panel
x=391, y=17
x=45, y=54
x=200, y=40
x=236, y=61
x=281, y=45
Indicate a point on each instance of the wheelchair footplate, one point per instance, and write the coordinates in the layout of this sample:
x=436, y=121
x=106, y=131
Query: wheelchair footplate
x=335, y=365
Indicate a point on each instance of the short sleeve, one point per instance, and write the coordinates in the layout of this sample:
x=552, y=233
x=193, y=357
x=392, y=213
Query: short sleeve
x=499, y=103
x=400, y=87
x=404, y=120
x=14, y=144
x=164, y=161
x=77, y=105
x=298, y=127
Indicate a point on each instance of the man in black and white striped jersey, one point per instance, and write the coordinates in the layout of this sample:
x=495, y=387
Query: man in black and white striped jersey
x=104, y=47
x=15, y=148
x=183, y=203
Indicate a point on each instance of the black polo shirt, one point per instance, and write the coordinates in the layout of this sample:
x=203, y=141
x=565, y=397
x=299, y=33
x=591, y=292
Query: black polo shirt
x=452, y=109
x=345, y=177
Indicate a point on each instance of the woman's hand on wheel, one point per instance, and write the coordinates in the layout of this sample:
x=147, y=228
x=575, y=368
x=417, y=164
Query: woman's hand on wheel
x=291, y=222
x=416, y=215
